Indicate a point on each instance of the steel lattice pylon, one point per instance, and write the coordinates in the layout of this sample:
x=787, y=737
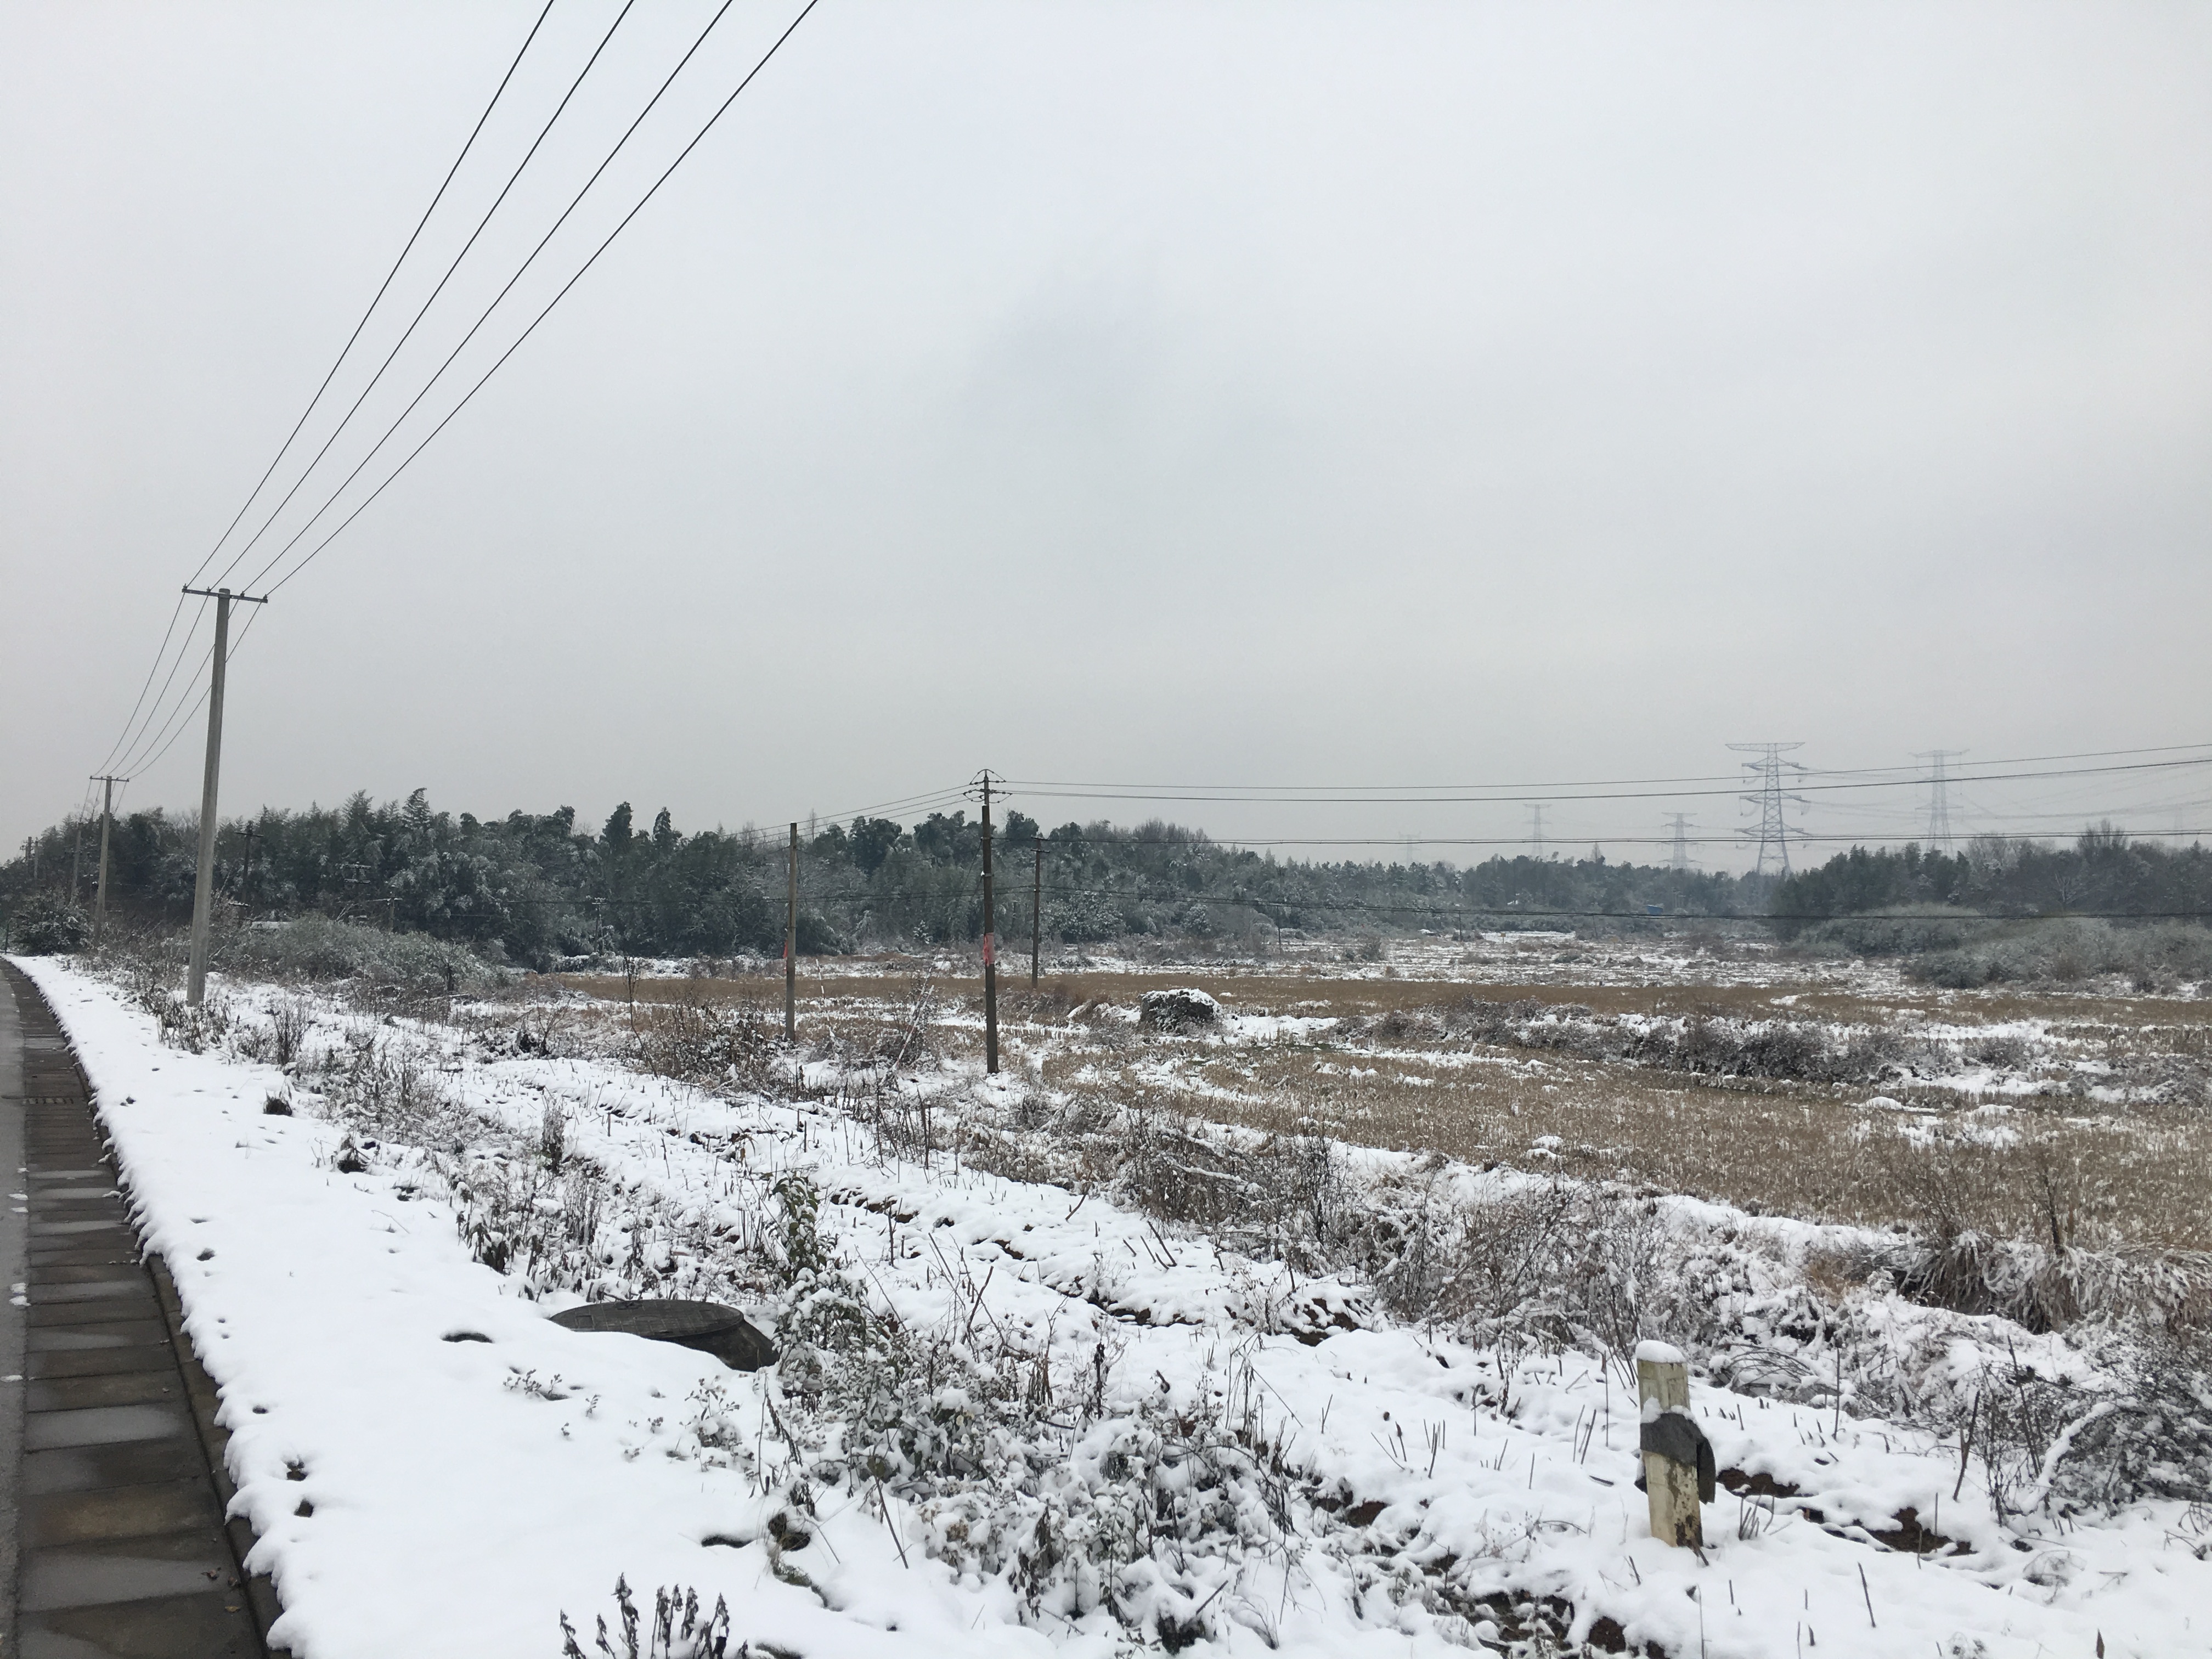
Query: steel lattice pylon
x=1938, y=793
x=1770, y=800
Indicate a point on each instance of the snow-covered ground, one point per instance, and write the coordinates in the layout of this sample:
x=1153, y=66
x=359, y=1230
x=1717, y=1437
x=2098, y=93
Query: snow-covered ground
x=1128, y=1437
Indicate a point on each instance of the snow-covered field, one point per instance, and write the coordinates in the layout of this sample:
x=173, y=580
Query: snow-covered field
x=1020, y=1416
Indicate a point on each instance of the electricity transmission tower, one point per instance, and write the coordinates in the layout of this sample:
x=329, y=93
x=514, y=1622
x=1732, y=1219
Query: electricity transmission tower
x=1771, y=800
x=1938, y=793
x=1678, y=825
x=1536, y=830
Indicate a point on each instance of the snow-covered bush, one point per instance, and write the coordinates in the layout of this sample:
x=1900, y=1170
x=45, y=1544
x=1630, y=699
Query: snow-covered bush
x=2066, y=950
x=151, y=984
x=316, y=947
x=45, y=923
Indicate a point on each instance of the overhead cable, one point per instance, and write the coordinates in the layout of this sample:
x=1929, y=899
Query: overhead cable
x=423, y=311
x=382, y=287
x=722, y=109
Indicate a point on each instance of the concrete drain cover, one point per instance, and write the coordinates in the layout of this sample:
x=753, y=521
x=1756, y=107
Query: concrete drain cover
x=706, y=1326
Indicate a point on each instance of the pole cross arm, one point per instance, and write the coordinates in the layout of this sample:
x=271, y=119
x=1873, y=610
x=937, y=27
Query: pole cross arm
x=225, y=594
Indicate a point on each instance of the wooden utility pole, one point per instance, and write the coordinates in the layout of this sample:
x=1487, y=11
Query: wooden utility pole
x=106, y=822
x=1037, y=911
x=990, y=945
x=204, y=888
x=1678, y=1462
x=791, y=943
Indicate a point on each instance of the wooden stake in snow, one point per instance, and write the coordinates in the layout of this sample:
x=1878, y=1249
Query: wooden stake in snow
x=1677, y=1461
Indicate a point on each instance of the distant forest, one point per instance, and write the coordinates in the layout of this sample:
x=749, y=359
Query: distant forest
x=2104, y=872
x=536, y=888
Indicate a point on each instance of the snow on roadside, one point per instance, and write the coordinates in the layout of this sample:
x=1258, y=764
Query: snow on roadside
x=472, y=1469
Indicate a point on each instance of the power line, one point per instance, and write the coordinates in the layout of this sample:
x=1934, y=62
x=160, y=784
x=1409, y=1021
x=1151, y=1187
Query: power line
x=180, y=722
x=284, y=448
x=183, y=646
x=720, y=112
x=1202, y=841
x=424, y=311
x=1593, y=783
x=699, y=136
x=907, y=803
x=1035, y=793
x=444, y=184
x=175, y=611
x=135, y=757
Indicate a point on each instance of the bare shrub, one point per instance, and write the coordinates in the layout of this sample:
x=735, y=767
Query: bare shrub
x=553, y=1135
x=1552, y=1264
x=288, y=1023
x=577, y=1230
x=1171, y=1169
x=707, y=1043
x=539, y=1029
x=388, y=1091
x=1049, y=1001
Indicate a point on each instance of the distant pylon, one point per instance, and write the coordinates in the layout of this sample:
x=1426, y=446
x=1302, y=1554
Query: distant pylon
x=1771, y=800
x=1939, y=793
x=1678, y=825
x=1536, y=828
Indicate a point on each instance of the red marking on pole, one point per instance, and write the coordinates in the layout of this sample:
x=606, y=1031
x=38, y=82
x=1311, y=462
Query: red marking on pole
x=990, y=950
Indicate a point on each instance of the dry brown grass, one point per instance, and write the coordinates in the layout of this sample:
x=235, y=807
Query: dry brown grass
x=1316, y=992
x=2100, y=1176
x=1775, y=1148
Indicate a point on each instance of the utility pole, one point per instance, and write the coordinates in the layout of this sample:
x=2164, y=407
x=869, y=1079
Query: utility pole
x=1770, y=799
x=990, y=938
x=1036, y=912
x=1939, y=794
x=106, y=822
x=204, y=888
x=791, y=943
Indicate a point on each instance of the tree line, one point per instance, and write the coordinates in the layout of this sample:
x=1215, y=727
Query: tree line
x=537, y=887
x=2104, y=872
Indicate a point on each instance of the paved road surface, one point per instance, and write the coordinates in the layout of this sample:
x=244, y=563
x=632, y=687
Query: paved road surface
x=114, y=1534
x=13, y=1218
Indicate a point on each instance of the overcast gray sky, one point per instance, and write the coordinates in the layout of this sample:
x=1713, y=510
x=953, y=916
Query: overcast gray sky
x=1216, y=393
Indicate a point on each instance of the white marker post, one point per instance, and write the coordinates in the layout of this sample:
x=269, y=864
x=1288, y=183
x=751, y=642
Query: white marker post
x=1678, y=1462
